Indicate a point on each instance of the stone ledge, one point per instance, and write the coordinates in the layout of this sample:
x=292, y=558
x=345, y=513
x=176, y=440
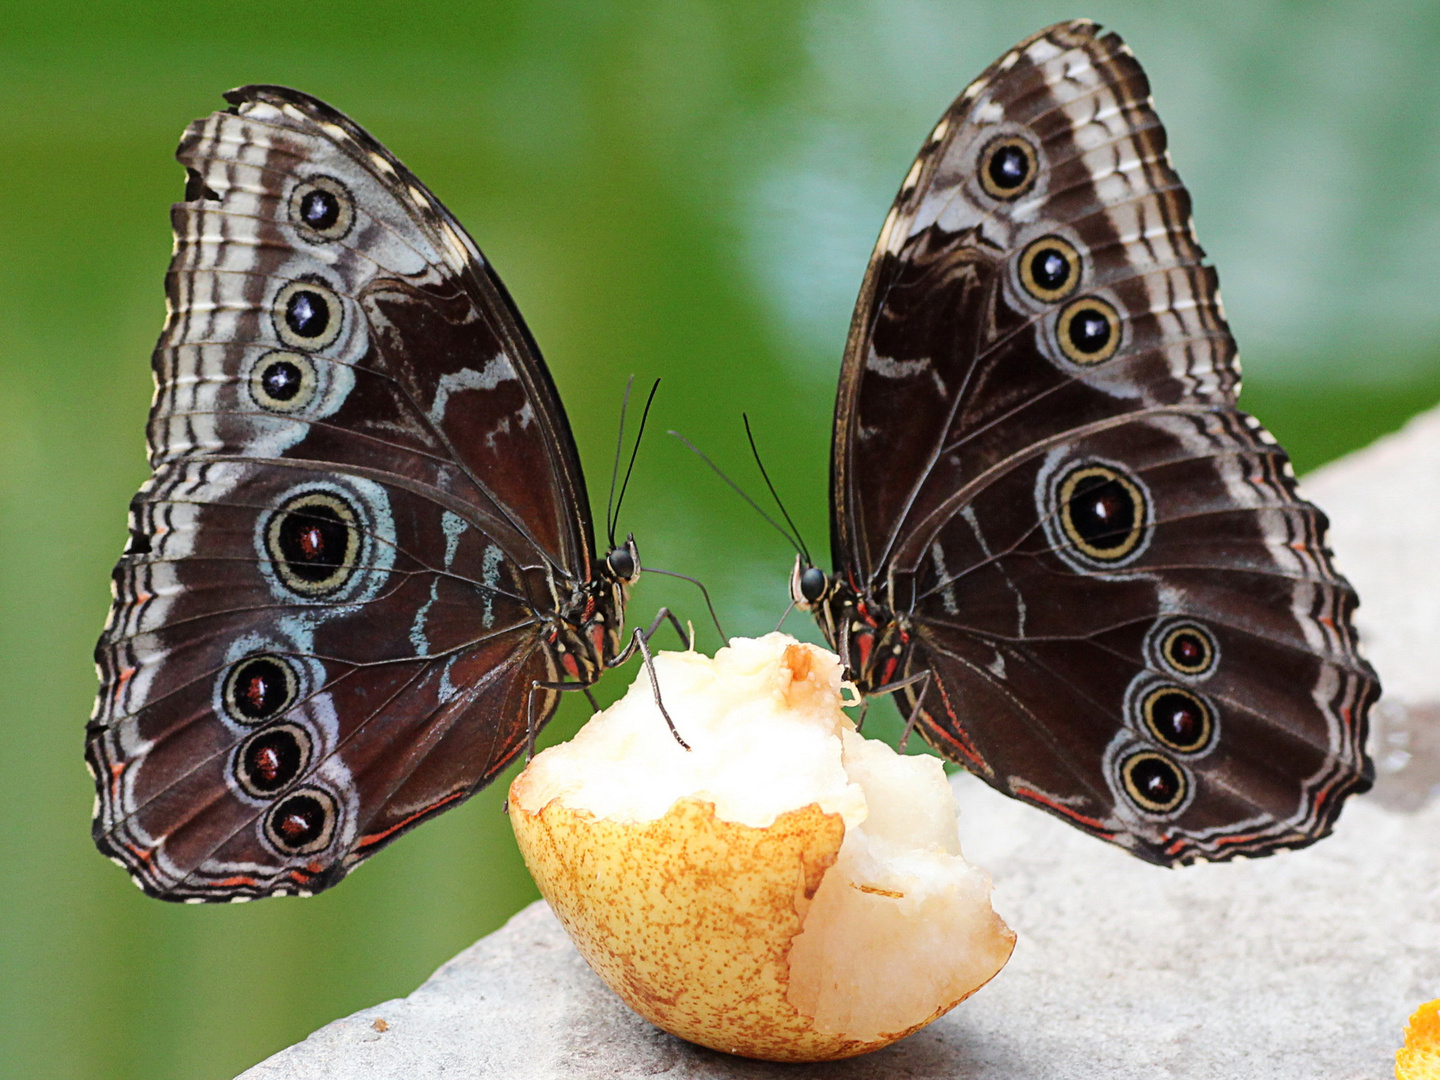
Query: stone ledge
x=1303, y=965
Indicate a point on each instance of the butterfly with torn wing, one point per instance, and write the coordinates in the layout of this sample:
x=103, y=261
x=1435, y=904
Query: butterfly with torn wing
x=1088, y=574
x=364, y=566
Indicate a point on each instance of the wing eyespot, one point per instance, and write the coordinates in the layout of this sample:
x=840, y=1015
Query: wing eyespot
x=1178, y=719
x=1088, y=331
x=302, y=823
x=323, y=209
x=1050, y=269
x=307, y=315
x=271, y=759
x=259, y=688
x=1104, y=514
x=1154, y=783
x=283, y=382
x=1187, y=649
x=1009, y=166
x=313, y=541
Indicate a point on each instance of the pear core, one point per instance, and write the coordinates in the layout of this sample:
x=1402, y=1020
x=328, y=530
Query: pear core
x=785, y=890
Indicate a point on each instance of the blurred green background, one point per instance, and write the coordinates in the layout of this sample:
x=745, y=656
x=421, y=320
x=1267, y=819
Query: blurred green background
x=685, y=189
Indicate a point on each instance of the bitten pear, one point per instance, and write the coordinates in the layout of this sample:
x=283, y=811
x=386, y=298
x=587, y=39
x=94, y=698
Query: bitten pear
x=785, y=889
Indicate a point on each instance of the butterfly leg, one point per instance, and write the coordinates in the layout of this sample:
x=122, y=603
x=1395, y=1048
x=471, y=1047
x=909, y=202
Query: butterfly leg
x=530, y=729
x=860, y=720
x=923, y=678
x=530, y=721
x=703, y=592
x=686, y=640
x=639, y=640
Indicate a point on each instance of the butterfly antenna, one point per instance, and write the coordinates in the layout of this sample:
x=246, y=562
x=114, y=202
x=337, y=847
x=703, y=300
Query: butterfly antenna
x=633, y=454
x=615, y=469
x=804, y=550
x=736, y=488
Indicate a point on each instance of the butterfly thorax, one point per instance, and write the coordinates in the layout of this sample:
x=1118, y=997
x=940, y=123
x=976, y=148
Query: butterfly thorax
x=875, y=643
x=584, y=633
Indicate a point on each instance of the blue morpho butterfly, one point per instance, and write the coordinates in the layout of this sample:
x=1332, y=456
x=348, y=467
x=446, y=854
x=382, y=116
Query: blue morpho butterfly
x=1086, y=574
x=364, y=567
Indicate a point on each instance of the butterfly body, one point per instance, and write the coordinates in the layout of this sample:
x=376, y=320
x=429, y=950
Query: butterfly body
x=1088, y=575
x=364, y=567
x=585, y=633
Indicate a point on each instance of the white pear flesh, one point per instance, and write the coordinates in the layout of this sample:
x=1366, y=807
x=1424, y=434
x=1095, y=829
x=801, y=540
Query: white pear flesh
x=786, y=889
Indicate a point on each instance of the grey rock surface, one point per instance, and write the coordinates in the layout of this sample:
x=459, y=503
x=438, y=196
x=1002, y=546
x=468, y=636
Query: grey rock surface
x=1300, y=966
x=1384, y=507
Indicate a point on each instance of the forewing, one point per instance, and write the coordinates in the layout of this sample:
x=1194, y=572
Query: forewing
x=947, y=335
x=415, y=362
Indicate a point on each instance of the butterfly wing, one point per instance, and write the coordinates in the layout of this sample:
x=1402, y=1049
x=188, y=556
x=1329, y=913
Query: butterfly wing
x=365, y=497
x=1129, y=615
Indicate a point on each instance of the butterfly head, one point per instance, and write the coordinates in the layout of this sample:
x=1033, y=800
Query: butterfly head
x=623, y=562
x=809, y=585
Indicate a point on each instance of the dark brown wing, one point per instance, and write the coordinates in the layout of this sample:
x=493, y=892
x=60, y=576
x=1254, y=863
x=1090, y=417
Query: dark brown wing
x=365, y=498
x=1216, y=655
x=1039, y=463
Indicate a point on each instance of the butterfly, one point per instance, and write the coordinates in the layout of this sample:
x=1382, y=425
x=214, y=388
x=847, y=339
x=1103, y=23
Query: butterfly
x=1087, y=573
x=364, y=567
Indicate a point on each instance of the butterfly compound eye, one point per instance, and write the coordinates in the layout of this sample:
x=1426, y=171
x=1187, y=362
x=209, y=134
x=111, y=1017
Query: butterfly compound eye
x=621, y=561
x=813, y=583
x=1008, y=167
